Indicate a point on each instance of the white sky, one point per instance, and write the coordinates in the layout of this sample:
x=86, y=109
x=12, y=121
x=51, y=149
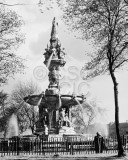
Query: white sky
x=37, y=29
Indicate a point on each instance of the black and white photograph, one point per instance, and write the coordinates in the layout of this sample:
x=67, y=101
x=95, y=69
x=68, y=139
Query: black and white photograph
x=63, y=79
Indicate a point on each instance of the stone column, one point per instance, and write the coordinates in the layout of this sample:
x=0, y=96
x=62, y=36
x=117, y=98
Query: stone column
x=57, y=115
x=50, y=118
x=69, y=114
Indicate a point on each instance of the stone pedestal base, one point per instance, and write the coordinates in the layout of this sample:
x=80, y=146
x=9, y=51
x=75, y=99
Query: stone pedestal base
x=63, y=130
x=41, y=131
x=66, y=131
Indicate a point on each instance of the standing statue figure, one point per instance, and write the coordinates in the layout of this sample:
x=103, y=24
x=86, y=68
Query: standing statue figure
x=54, y=33
x=68, y=123
x=46, y=131
x=62, y=117
x=45, y=118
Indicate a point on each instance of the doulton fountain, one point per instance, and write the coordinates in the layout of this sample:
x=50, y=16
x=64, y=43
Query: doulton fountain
x=54, y=107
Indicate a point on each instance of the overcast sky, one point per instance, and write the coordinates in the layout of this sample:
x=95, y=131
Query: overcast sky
x=37, y=29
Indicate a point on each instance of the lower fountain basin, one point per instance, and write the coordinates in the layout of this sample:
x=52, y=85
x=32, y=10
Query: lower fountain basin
x=66, y=100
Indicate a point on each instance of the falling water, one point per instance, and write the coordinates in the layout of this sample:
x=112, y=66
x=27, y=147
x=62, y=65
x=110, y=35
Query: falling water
x=102, y=128
x=80, y=107
x=13, y=129
x=99, y=126
x=49, y=60
x=79, y=104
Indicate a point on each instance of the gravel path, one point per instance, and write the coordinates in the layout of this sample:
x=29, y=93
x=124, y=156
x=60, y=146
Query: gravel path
x=67, y=157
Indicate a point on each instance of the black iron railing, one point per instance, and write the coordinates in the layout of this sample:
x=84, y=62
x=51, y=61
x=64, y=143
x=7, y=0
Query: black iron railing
x=51, y=146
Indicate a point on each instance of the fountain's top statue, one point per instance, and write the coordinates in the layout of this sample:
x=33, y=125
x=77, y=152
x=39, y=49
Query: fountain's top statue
x=54, y=32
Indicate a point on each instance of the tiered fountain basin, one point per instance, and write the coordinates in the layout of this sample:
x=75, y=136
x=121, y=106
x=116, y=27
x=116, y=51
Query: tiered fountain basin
x=66, y=100
x=53, y=100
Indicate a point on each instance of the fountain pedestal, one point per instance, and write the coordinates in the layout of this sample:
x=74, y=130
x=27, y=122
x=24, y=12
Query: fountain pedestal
x=66, y=131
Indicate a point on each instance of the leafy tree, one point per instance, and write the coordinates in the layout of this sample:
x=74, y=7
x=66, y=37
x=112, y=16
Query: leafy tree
x=86, y=116
x=3, y=106
x=105, y=22
x=27, y=117
x=10, y=39
x=5, y=112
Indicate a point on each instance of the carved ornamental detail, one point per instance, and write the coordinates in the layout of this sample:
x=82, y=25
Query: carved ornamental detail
x=54, y=57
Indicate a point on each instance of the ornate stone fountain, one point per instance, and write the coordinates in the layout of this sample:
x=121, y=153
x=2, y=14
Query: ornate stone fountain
x=55, y=108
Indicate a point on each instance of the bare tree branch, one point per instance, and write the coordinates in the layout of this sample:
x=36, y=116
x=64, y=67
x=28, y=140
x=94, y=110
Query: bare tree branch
x=121, y=63
x=11, y=5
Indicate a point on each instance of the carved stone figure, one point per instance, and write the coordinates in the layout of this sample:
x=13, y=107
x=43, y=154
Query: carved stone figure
x=45, y=118
x=54, y=76
x=62, y=117
x=67, y=122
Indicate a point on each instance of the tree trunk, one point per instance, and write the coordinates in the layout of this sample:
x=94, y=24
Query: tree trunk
x=120, y=146
x=5, y=129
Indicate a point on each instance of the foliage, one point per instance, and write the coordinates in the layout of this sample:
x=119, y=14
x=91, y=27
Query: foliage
x=27, y=117
x=105, y=22
x=87, y=116
x=10, y=40
x=3, y=98
x=3, y=115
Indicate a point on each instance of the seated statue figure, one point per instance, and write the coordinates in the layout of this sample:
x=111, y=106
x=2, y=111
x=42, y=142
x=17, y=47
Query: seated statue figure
x=63, y=119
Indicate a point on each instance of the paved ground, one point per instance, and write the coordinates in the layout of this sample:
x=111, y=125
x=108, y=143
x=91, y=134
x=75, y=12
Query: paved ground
x=67, y=157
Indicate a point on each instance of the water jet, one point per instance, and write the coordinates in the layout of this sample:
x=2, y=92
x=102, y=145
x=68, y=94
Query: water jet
x=13, y=128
